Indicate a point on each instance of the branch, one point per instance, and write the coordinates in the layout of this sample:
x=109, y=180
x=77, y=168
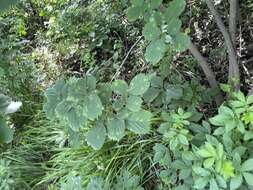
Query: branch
x=233, y=14
x=208, y=72
x=234, y=73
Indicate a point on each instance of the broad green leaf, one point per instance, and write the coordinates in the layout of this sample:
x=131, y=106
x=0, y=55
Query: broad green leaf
x=248, y=178
x=120, y=87
x=137, y=3
x=139, y=122
x=221, y=181
x=151, y=94
x=54, y=96
x=181, y=42
x=115, y=129
x=139, y=85
x=76, y=121
x=4, y=102
x=5, y=4
x=183, y=140
x=175, y=9
x=133, y=13
x=173, y=92
x=73, y=183
x=151, y=31
x=96, y=183
x=236, y=182
x=201, y=182
x=208, y=163
x=105, y=93
x=213, y=185
x=92, y=106
x=161, y=155
x=154, y=4
x=247, y=165
x=6, y=133
x=96, y=136
x=227, y=169
x=201, y=171
x=174, y=26
x=155, y=51
x=134, y=103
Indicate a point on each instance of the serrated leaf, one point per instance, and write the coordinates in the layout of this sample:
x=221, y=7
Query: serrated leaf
x=92, y=107
x=133, y=13
x=201, y=183
x=236, y=182
x=213, y=185
x=137, y=3
x=175, y=9
x=139, y=122
x=173, y=92
x=96, y=136
x=247, y=165
x=155, y=51
x=208, y=163
x=174, y=25
x=151, y=94
x=154, y=4
x=181, y=42
x=119, y=87
x=183, y=140
x=116, y=129
x=54, y=96
x=96, y=183
x=151, y=31
x=161, y=155
x=139, y=85
x=6, y=133
x=134, y=103
x=248, y=178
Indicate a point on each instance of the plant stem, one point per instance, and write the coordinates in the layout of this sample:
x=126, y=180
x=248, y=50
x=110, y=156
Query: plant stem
x=233, y=14
x=208, y=72
x=234, y=74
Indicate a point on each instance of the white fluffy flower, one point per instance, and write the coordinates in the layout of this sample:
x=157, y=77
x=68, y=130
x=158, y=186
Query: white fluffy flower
x=13, y=107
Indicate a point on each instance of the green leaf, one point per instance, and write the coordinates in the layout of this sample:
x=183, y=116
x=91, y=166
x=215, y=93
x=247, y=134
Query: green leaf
x=173, y=92
x=174, y=26
x=4, y=102
x=5, y=4
x=116, y=128
x=134, y=103
x=139, y=122
x=96, y=183
x=248, y=178
x=161, y=155
x=154, y=4
x=139, y=85
x=236, y=182
x=183, y=140
x=175, y=9
x=76, y=121
x=151, y=31
x=247, y=165
x=201, y=182
x=96, y=136
x=213, y=185
x=92, y=106
x=151, y=94
x=73, y=183
x=208, y=163
x=181, y=42
x=6, y=133
x=133, y=13
x=120, y=87
x=137, y=3
x=54, y=96
x=155, y=51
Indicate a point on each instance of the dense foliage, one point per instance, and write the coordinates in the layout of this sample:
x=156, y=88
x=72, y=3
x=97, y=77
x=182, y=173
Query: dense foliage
x=104, y=95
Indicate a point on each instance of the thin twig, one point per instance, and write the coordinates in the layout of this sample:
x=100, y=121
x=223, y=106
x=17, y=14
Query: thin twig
x=117, y=73
x=234, y=73
x=233, y=17
x=208, y=72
